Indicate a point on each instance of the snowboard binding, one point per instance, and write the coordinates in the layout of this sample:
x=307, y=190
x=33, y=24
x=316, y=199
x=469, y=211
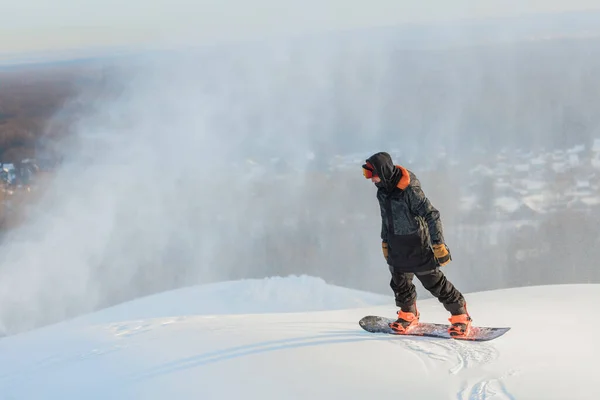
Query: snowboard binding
x=405, y=321
x=460, y=325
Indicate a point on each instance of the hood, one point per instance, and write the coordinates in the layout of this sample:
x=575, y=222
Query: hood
x=389, y=173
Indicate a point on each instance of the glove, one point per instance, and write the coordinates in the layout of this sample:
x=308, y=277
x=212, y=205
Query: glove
x=384, y=248
x=442, y=254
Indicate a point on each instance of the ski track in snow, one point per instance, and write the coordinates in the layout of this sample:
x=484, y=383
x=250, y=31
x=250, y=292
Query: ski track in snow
x=460, y=355
x=314, y=336
x=463, y=355
x=122, y=331
x=132, y=333
x=12, y=381
x=487, y=389
x=466, y=355
x=133, y=328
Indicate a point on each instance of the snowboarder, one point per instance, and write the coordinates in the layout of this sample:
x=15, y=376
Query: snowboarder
x=413, y=244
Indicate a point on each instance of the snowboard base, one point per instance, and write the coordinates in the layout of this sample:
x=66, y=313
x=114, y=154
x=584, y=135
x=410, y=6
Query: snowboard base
x=378, y=324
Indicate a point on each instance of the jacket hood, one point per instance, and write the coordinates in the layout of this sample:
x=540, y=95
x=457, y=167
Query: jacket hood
x=389, y=173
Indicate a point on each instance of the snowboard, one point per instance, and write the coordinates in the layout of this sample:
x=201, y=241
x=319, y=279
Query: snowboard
x=378, y=324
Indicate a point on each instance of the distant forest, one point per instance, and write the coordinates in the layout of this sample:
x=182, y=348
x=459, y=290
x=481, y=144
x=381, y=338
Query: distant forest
x=31, y=100
x=33, y=121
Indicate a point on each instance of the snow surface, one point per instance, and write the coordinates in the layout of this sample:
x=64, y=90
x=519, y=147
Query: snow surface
x=248, y=296
x=508, y=204
x=532, y=185
x=176, y=346
x=590, y=201
x=536, y=202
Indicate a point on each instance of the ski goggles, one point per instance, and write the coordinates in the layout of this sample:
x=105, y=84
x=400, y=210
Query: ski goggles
x=368, y=171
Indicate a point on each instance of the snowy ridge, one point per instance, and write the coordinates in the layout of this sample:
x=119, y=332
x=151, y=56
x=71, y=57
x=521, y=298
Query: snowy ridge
x=248, y=296
x=307, y=354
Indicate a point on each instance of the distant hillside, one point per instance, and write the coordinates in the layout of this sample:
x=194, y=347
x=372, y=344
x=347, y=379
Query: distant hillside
x=31, y=99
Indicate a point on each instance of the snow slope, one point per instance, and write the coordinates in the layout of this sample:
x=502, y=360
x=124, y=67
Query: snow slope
x=249, y=296
x=172, y=346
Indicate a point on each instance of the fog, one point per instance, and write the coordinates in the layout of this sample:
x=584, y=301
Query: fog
x=218, y=163
x=31, y=25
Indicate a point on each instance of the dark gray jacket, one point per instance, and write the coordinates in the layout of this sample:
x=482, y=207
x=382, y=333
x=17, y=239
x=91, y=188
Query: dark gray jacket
x=409, y=222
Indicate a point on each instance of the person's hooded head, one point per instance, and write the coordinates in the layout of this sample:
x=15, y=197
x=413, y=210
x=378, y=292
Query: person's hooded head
x=381, y=165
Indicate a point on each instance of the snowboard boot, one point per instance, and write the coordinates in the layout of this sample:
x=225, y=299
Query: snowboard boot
x=405, y=321
x=461, y=323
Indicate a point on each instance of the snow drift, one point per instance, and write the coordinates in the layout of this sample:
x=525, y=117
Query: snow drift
x=247, y=296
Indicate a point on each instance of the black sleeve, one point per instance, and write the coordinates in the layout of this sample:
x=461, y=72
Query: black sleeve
x=384, y=228
x=421, y=206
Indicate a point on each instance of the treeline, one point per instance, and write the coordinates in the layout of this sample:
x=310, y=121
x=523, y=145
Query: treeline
x=32, y=122
x=28, y=99
x=32, y=98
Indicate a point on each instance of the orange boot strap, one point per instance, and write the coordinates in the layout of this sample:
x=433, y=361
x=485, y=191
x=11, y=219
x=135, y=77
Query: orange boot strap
x=459, y=319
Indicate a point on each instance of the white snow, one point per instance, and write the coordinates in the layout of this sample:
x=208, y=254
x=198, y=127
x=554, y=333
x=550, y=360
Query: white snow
x=522, y=167
x=559, y=166
x=590, y=201
x=580, y=183
x=249, y=296
x=573, y=160
x=576, y=149
x=532, y=185
x=507, y=204
x=168, y=347
x=539, y=160
x=503, y=184
x=482, y=170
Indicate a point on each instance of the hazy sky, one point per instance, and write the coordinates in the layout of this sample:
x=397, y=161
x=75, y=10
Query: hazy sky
x=27, y=25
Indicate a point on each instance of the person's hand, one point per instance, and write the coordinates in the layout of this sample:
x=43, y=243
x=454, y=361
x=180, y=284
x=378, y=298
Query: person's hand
x=442, y=254
x=384, y=249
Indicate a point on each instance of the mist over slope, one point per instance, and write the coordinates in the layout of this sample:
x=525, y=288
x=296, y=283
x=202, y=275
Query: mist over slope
x=198, y=167
x=155, y=191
